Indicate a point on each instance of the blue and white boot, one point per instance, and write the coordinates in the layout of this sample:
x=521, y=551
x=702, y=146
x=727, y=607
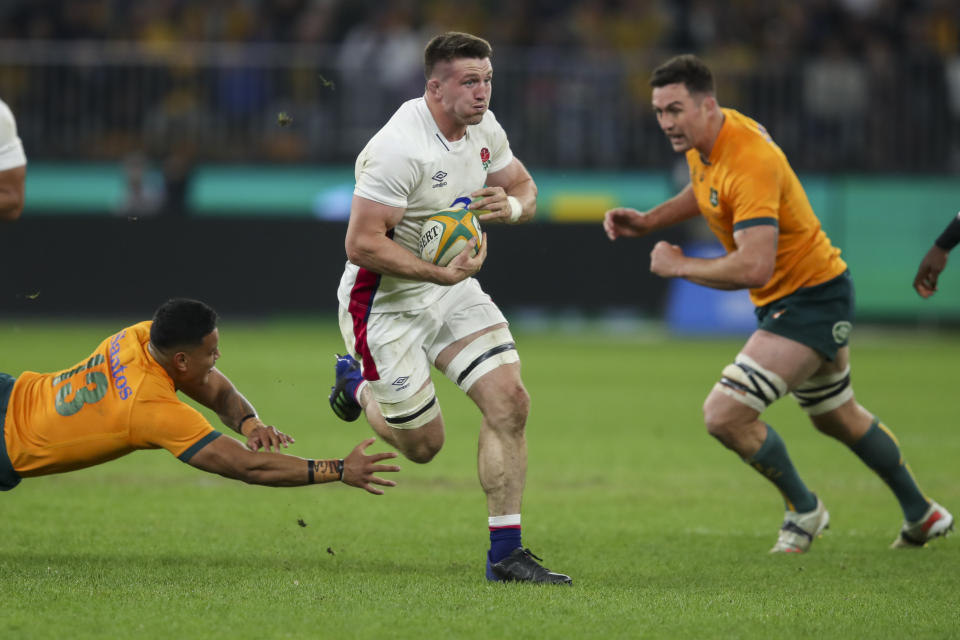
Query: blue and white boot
x=343, y=399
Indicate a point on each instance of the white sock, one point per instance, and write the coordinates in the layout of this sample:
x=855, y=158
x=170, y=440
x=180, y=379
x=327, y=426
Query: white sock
x=510, y=520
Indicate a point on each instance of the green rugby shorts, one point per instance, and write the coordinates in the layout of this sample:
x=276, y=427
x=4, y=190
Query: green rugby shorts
x=820, y=317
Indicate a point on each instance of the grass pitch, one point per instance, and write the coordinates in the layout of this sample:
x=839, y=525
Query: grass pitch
x=664, y=532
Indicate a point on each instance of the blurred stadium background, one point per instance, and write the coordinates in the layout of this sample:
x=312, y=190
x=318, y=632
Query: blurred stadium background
x=206, y=148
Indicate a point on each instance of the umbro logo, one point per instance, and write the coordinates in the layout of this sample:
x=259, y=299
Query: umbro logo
x=438, y=178
x=402, y=380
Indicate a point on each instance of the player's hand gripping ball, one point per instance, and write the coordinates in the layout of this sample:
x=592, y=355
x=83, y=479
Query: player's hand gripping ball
x=445, y=235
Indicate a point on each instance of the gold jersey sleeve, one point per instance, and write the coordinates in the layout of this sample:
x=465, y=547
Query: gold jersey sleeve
x=114, y=402
x=748, y=181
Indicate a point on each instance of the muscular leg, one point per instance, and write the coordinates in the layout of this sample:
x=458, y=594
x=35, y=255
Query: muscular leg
x=402, y=344
x=738, y=427
x=485, y=365
x=848, y=422
x=502, y=446
x=489, y=361
x=873, y=443
x=418, y=445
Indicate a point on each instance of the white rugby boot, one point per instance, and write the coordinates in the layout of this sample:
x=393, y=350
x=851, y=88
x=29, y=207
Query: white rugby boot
x=936, y=522
x=799, y=529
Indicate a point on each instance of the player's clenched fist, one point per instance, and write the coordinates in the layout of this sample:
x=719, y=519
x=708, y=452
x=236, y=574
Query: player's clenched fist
x=665, y=259
x=626, y=223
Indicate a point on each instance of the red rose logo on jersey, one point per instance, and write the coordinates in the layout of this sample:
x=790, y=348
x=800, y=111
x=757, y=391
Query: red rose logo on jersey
x=485, y=158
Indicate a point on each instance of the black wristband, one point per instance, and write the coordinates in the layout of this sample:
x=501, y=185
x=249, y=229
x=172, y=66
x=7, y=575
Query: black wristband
x=950, y=236
x=244, y=419
x=340, y=469
x=309, y=471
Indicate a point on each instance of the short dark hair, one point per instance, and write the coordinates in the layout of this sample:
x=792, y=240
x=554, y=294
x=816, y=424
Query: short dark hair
x=687, y=69
x=181, y=322
x=453, y=45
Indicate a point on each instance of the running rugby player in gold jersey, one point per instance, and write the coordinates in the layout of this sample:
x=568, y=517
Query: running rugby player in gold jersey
x=742, y=184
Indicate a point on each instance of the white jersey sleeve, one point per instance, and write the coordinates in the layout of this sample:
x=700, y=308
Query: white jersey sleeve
x=385, y=171
x=501, y=155
x=11, y=148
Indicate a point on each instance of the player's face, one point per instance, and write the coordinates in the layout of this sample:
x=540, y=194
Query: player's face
x=202, y=358
x=465, y=88
x=682, y=117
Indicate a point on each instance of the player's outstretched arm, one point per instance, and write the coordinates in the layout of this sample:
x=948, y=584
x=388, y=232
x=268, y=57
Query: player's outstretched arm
x=229, y=458
x=623, y=222
x=216, y=392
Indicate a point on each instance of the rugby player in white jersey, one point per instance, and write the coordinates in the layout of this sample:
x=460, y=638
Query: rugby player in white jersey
x=13, y=166
x=400, y=314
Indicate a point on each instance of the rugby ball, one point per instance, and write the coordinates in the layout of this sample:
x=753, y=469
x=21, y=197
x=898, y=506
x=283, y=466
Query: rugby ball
x=445, y=234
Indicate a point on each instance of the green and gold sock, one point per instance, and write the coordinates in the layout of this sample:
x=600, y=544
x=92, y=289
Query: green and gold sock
x=773, y=462
x=879, y=450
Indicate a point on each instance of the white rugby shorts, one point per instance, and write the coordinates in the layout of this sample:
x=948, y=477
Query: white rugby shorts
x=398, y=348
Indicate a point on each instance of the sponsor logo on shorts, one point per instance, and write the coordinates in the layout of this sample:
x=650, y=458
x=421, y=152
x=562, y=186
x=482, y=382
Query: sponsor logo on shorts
x=779, y=312
x=841, y=331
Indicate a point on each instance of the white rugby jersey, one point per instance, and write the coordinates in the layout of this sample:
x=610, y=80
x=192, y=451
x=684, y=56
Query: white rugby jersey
x=410, y=164
x=11, y=149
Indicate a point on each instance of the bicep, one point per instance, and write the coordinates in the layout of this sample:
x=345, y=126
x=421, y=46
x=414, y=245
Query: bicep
x=370, y=219
x=758, y=241
x=210, y=391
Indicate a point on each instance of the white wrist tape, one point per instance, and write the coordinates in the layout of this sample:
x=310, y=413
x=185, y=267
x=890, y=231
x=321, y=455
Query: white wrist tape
x=516, y=209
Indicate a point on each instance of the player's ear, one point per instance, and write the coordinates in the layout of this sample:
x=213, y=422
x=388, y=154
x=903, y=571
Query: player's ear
x=180, y=360
x=433, y=86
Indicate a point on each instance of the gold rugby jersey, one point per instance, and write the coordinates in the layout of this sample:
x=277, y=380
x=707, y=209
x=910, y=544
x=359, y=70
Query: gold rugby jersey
x=748, y=181
x=116, y=401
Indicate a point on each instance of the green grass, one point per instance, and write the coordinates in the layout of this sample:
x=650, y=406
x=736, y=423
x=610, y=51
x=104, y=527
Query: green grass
x=664, y=532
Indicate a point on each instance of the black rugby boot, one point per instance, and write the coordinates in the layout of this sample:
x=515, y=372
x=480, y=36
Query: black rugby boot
x=522, y=566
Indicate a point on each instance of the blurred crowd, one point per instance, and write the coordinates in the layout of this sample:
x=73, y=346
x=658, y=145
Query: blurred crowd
x=758, y=31
x=829, y=78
